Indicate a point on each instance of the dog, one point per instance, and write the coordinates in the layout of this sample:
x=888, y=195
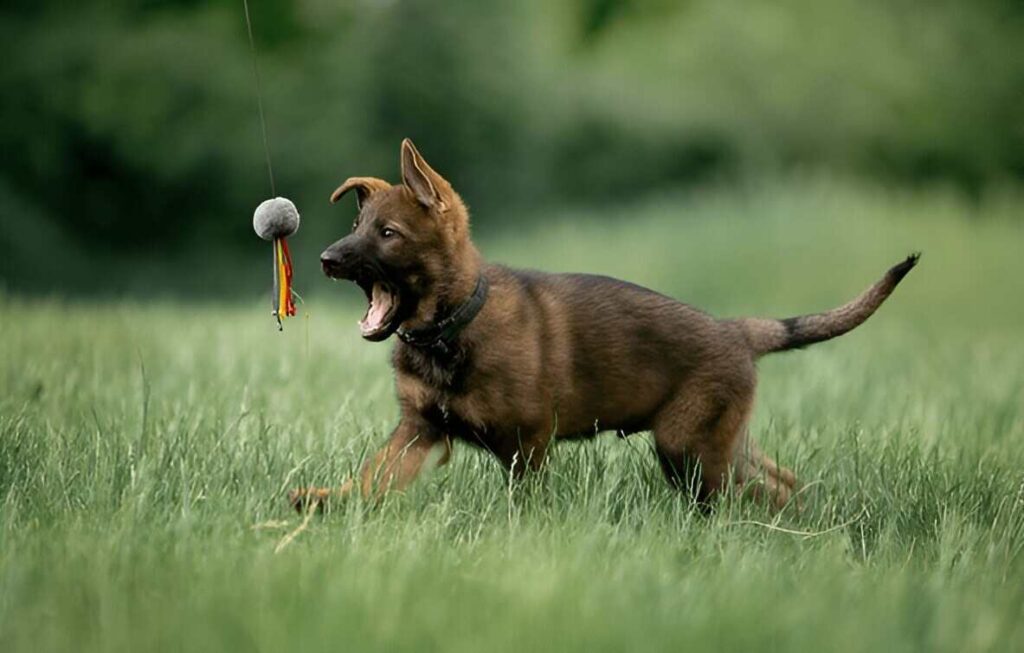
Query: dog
x=514, y=360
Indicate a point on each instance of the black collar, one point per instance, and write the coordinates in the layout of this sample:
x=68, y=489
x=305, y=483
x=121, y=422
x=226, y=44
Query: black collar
x=438, y=337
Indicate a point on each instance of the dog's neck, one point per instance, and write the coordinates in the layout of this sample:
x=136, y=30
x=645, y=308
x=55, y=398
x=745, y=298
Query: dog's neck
x=452, y=290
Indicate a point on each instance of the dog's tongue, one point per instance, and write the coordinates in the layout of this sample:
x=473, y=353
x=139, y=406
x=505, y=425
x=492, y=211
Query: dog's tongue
x=380, y=306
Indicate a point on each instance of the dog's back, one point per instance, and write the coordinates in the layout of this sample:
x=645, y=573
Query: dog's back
x=607, y=352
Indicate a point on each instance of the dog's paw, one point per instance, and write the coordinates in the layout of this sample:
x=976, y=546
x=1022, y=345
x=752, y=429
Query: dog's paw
x=308, y=498
x=316, y=498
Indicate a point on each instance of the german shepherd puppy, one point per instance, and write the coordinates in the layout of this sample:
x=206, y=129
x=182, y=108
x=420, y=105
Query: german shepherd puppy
x=514, y=360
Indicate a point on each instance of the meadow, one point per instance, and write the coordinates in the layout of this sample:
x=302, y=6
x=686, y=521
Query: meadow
x=147, y=446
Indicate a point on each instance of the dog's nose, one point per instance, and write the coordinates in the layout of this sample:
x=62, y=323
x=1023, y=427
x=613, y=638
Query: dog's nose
x=329, y=260
x=336, y=253
x=334, y=259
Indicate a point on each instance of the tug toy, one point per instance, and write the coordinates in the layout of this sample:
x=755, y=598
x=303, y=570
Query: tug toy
x=274, y=220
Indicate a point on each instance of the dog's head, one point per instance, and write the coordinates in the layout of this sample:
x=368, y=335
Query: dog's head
x=408, y=248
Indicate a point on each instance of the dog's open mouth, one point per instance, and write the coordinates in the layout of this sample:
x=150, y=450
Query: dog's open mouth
x=383, y=298
x=379, y=321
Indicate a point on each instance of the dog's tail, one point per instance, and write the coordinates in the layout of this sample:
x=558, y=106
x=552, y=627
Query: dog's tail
x=768, y=335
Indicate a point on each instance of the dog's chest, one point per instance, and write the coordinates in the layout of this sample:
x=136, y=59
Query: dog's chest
x=462, y=416
x=441, y=380
x=442, y=371
x=443, y=393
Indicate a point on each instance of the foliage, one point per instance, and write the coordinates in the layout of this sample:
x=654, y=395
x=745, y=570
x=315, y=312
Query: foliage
x=131, y=127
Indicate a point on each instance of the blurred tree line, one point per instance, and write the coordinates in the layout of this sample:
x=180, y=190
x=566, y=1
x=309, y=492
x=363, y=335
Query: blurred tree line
x=129, y=127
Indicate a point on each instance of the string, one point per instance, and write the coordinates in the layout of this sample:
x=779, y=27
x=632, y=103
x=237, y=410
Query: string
x=259, y=96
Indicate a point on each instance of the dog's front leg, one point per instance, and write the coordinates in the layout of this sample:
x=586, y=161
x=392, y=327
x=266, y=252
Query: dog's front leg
x=411, y=446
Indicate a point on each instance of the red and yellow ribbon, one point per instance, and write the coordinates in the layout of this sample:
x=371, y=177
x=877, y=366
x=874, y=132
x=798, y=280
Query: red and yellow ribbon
x=284, y=300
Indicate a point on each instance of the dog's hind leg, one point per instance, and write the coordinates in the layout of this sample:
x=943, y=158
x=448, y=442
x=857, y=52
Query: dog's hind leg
x=694, y=438
x=765, y=477
x=702, y=444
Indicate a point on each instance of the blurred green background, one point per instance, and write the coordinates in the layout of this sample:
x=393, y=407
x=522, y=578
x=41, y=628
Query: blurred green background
x=132, y=158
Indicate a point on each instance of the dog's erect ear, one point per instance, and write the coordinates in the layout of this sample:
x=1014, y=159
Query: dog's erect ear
x=364, y=187
x=430, y=188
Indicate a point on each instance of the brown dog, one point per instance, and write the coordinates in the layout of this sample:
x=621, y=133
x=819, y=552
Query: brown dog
x=513, y=360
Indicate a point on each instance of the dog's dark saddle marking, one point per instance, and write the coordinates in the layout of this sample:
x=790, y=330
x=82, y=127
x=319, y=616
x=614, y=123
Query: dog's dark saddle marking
x=438, y=337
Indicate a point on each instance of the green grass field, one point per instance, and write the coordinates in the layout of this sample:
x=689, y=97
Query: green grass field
x=146, y=449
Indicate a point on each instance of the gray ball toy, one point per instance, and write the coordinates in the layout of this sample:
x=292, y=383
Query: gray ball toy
x=275, y=218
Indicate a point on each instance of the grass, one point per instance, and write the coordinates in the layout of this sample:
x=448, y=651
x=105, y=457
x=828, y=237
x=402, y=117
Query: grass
x=141, y=442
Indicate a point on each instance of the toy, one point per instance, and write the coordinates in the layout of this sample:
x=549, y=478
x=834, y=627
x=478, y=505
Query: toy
x=274, y=220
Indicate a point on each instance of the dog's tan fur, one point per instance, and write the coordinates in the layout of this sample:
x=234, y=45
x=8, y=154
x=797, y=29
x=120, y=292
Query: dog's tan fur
x=555, y=356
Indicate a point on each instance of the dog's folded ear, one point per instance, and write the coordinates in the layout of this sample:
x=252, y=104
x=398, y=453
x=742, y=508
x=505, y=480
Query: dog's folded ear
x=430, y=188
x=364, y=187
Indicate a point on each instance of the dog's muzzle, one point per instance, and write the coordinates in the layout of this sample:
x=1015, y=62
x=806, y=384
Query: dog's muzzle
x=347, y=259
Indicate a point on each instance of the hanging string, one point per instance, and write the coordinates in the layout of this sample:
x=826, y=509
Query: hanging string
x=284, y=296
x=259, y=97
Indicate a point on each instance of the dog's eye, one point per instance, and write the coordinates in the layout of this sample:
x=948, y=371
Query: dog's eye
x=387, y=232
